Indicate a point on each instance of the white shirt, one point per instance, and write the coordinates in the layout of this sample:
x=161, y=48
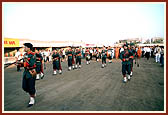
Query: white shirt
x=91, y=51
x=122, y=49
x=148, y=49
x=17, y=54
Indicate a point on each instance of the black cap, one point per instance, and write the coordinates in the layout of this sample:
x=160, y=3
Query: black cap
x=29, y=45
x=125, y=45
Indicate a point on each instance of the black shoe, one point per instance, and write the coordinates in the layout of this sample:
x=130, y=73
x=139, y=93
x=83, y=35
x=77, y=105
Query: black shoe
x=42, y=77
x=30, y=105
x=138, y=65
x=135, y=62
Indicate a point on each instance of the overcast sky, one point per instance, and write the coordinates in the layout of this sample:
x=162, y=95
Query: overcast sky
x=93, y=22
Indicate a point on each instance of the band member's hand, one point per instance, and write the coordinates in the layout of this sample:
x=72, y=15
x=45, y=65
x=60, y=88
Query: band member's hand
x=131, y=57
x=25, y=60
x=127, y=59
x=21, y=63
x=38, y=58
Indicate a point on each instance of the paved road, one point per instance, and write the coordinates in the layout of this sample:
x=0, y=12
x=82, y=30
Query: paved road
x=90, y=88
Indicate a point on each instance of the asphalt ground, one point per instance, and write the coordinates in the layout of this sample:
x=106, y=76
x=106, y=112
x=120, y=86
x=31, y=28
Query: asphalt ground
x=90, y=88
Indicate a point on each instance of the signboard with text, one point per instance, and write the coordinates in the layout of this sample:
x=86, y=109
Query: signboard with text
x=8, y=42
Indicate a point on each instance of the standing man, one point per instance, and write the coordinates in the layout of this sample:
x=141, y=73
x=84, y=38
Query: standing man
x=87, y=55
x=131, y=58
x=91, y=53
x=157, y=53
x=116, y=52
x=78, y=58
x=110, y=55
x=143, y=51
x=104, y=56
x=56, y=62
x=39, y=59
x=69, y=53
x=162, y=57
x=139, y=53
x=73, y=58
x=63, y=54
x=29, y=74
x=19, y=59
x=39, y=66
x=126, y=65
x=97, y=54
x=83, y=53
x=148, y=51
x=44, y=58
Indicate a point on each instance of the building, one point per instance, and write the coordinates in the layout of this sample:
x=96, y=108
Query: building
x=131, y=40
x=157, y=40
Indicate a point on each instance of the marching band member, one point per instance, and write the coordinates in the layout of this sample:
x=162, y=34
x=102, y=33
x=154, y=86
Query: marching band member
x=39, y=66
x=73, y=59
x=131, y=58
x=56, y=62
x=29, y=74
x=78, y=58
x=69, y=59
x=104, y=56
x=126, y=65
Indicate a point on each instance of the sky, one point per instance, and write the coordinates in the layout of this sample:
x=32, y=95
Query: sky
x=90, y=22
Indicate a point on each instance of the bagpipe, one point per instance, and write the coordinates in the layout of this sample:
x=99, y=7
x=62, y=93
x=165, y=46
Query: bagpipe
x=56, y=59
x=18, y=62
x=32, y=70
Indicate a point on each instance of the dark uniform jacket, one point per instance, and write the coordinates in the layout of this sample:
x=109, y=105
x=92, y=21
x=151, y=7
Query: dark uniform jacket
x=56, y=58
x=69, y=53
x=39, y=59
x=104, y=53
x=29, y=64
x=125, y=55
x=78, y=54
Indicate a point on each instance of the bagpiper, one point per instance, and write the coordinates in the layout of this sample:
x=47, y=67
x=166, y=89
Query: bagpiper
x=69, y=53
x=131, y=59
x=78, y=58
x=73, y=59
x=39, y=65
x=29, y=74
x=104, y=56
x=126, y=65
x=56, y=62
